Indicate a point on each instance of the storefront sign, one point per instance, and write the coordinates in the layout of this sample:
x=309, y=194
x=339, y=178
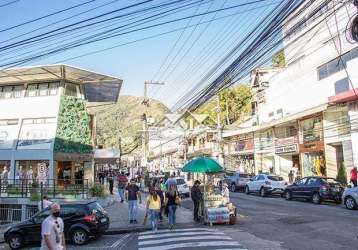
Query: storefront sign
x=244, y=145
x=286, y=141
x=286, y=149
x=312, y=147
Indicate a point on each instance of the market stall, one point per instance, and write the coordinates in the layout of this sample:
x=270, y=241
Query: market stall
x=216, y=207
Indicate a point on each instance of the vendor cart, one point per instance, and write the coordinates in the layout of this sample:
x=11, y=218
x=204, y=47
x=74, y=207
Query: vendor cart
x=215, y=208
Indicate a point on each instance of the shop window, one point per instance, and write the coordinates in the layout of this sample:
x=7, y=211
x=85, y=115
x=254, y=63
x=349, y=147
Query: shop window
x=341, y=86
x=312, y=129
x=32, y=171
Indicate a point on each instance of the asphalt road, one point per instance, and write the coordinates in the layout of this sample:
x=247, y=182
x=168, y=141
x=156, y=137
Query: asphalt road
x=263, y=223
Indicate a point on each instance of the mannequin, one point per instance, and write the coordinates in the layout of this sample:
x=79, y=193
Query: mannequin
x=5, y=175
x=30, y=175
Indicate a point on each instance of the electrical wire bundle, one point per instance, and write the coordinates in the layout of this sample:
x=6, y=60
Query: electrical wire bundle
x=255, y=50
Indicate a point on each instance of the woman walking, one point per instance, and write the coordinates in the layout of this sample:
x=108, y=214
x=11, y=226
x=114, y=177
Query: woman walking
x=172, y=200
x=153, y=207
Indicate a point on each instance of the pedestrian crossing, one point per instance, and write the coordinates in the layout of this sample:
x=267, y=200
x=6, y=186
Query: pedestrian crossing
x=189, y=238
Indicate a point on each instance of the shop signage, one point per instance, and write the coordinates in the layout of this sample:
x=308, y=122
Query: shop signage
x=286, y=141
x=243, y=145
x=312, y=147
x=286, y=149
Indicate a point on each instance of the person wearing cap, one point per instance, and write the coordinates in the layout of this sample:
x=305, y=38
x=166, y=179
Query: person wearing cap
x=196, y=197
x=52, y=231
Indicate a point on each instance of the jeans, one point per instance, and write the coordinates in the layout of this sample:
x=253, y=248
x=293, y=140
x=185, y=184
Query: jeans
x=121, y=193
x=132, y=208
x=154, y=214
x=172, y=209
x=196, y=210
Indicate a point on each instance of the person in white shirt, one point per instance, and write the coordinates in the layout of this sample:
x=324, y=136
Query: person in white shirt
x=52, y=231
x=44, y=203
x=225, y=193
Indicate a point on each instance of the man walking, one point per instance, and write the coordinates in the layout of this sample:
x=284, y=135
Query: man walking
x=52, y=231
x=171, y=181
x=354, y=176
x=122, y=183
x=196, y=196
x=132, y=197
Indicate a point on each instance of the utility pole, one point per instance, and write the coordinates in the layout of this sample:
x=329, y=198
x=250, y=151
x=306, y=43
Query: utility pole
x=219, y=130
x=145, y=122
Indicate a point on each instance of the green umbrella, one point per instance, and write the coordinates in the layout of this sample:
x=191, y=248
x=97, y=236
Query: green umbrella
x=202, y=165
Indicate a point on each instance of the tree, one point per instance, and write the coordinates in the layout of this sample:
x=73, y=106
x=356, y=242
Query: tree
x=342, y=175
x=279, y=60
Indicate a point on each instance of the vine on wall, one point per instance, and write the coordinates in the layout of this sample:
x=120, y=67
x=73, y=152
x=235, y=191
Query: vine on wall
x=73, y=130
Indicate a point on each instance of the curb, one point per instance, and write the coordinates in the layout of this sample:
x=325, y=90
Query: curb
x=115, y=231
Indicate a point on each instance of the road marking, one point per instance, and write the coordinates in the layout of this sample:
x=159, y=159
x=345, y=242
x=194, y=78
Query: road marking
x=121, y=240
x=203, y=237
x=177, y=234
x=192, y=245
x=179, y=230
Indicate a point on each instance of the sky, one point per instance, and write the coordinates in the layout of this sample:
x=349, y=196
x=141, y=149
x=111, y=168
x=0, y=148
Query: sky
x=190, y=52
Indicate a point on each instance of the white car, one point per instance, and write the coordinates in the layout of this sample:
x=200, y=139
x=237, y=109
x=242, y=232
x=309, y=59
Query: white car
x=182, y=186
x=265, y=184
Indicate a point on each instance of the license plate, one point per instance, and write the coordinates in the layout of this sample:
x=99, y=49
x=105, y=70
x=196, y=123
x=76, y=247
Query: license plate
x=103, y=220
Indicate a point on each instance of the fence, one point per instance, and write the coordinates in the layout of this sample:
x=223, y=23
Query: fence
x=10, y=213
x=53, y=188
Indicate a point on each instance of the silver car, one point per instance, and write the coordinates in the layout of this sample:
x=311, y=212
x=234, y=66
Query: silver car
x=350, y=198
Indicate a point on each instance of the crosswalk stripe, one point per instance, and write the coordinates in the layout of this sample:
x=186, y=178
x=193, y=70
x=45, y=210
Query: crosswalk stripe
x=193, y=244
x=180, y=230
x=143, y=237
x=203, y=237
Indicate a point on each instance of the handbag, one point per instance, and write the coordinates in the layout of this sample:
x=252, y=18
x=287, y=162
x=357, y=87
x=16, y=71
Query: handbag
x=177, y=199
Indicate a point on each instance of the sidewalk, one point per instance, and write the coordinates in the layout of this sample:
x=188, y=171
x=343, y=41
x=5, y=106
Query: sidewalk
x=119, y=223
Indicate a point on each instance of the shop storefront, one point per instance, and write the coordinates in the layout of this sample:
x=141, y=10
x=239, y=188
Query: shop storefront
x=312, y=146
x=32, y=171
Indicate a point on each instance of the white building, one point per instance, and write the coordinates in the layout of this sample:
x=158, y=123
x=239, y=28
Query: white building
x=45, y=130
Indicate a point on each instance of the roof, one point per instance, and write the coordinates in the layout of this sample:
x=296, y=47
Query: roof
x=98, y=87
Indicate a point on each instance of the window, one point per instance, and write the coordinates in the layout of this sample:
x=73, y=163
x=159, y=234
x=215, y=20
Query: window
x=7, y=90
x=336, y=64
x=313, y=182
x=71, y=89
x=301, y=182
x=41, y=89
x=53, y=87
x=274, y=178
x=70, y=211
x=31, y=90
x=341, y=86
x=18, y=91
x=261, y=178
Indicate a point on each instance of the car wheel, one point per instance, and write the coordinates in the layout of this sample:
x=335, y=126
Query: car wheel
x=15, y=241
x=262, y=192
x=350, y=203
x=247, y=190
x=233, y=188
x=79, y=236
x=288, y=195
x=316, y=198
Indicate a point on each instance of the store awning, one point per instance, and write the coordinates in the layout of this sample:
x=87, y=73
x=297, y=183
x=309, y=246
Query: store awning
x=346, y=96
x=98, y=87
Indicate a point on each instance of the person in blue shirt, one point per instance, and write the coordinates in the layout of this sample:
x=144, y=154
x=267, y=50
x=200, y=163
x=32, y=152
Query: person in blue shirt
x=170, y=181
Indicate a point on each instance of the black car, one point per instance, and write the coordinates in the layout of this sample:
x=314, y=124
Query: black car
x=315, y=189
x=81, y=221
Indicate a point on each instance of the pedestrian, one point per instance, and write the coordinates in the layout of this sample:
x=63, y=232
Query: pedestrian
x=153, y=208
x=354, y=176
x=172, y=200
x=290, y=176
x=161, y=196
x=196, y=197
x=132, y=197
x=171, y=181
x=122, y=183
x=225, y=193
x=110, y=179
x=44, y=203
x=52, y=231
x=162, y=185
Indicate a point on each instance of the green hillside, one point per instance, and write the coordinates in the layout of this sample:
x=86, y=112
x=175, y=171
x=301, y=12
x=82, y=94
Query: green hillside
x=124, y=120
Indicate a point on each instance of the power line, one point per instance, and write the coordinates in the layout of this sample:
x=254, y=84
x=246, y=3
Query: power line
x=9, y=3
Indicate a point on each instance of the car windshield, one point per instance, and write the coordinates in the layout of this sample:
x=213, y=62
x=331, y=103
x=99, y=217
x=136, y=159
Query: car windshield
x=274, y=178
x=180, y=181
x=329, y=181
x=94, y=207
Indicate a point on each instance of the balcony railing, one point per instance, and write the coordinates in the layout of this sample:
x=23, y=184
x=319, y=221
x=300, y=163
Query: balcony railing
x=53, y=188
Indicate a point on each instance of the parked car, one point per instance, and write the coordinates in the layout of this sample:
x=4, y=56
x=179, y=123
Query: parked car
x=265, y=184
x=81, y=221
x=183, y=188
x=350, y=198
x=315, y=189
x=239, y=181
